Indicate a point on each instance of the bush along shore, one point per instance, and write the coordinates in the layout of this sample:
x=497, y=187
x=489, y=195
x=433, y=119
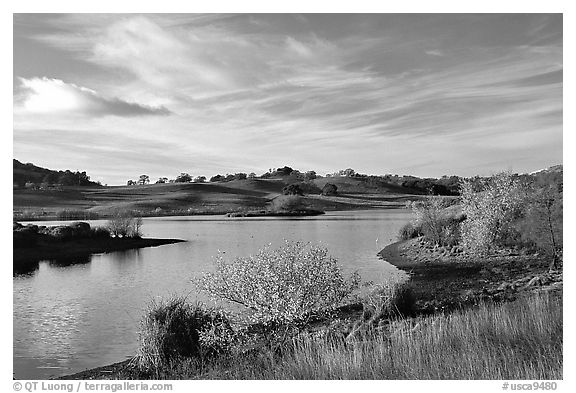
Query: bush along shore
x=513, y=340
x=484, y=301
x=449, y=314
x=74, y=243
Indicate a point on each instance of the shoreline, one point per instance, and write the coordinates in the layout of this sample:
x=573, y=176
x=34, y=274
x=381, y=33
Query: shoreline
x=26, y=259
x=255, y=213
x=446, y=279
x=51, y=217
x=442, y=282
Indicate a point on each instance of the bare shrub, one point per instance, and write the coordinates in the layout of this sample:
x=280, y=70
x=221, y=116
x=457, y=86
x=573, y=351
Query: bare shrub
x=542, y=222
x=434, y=222
x=124, y=224
x=284, y=286
x=490, y=205
x=410, y=230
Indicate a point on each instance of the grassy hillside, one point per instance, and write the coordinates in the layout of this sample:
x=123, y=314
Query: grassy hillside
x=72, y=195
x=44, y=193
x=196, y=198
x=35, y=175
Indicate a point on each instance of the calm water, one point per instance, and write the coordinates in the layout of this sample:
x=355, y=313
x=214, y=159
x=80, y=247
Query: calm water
x=70, y=318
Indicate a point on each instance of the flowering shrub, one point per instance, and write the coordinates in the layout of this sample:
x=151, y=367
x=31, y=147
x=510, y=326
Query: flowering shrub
x=489, y=205
x=281, y=286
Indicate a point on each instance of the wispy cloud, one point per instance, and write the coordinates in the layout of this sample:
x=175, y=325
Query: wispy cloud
x=54, y=96
x=362, y=91
x=434, y=52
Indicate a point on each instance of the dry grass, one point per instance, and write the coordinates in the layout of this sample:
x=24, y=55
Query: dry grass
x=520, y=340
x=175, y=331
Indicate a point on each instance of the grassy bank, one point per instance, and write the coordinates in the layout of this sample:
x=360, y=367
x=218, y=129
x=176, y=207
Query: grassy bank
x=517, y=340
x=520, y=340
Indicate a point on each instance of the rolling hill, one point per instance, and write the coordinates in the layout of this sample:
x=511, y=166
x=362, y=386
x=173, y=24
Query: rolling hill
x=193, y=198
x=89, y=200
x=32, y=174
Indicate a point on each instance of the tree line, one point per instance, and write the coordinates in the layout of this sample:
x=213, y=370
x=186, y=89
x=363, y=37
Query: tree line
x=446, y=185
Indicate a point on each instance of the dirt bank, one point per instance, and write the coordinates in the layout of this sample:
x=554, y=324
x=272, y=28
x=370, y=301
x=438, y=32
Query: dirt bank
x=448, y=278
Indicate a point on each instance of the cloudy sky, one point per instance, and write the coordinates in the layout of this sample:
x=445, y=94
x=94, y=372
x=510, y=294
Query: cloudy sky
x=120, y=95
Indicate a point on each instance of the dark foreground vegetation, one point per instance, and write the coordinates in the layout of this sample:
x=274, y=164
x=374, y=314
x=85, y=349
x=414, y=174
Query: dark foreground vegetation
x=518, y=340
x=74, y=243
x=450, y=321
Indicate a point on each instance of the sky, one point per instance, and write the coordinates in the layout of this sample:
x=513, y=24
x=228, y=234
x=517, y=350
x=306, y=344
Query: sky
x=120, y=95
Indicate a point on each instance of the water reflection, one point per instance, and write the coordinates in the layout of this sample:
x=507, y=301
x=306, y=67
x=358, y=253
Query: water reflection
x=77, y=316
x=67, y=261
x=124, y=261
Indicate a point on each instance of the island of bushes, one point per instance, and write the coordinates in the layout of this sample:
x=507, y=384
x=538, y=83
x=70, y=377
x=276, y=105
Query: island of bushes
x=75, y=242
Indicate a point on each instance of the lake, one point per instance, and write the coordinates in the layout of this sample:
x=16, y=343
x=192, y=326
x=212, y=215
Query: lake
x=68, y=318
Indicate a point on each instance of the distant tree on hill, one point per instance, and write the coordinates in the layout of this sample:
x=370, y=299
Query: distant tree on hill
x=51, y=178
x=309, y=187
x=310, y=175
x=144, y=179
x=251, y=175
x=287, y=203
x=162, y=180
x=296, y=175
x=292, y=189
x=286, y=171
x=349, y=172
x=216, y=178
x=329, y=189
x=23, y=173
x=69, y=178
x=440, y=189
x=240, y=176
x=130, y=183
x=183, y=178
x=229, y=177
x=452, y=184
x=200, y=179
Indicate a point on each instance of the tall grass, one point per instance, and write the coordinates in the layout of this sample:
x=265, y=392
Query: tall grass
x=520, y=340
x=174, y=331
